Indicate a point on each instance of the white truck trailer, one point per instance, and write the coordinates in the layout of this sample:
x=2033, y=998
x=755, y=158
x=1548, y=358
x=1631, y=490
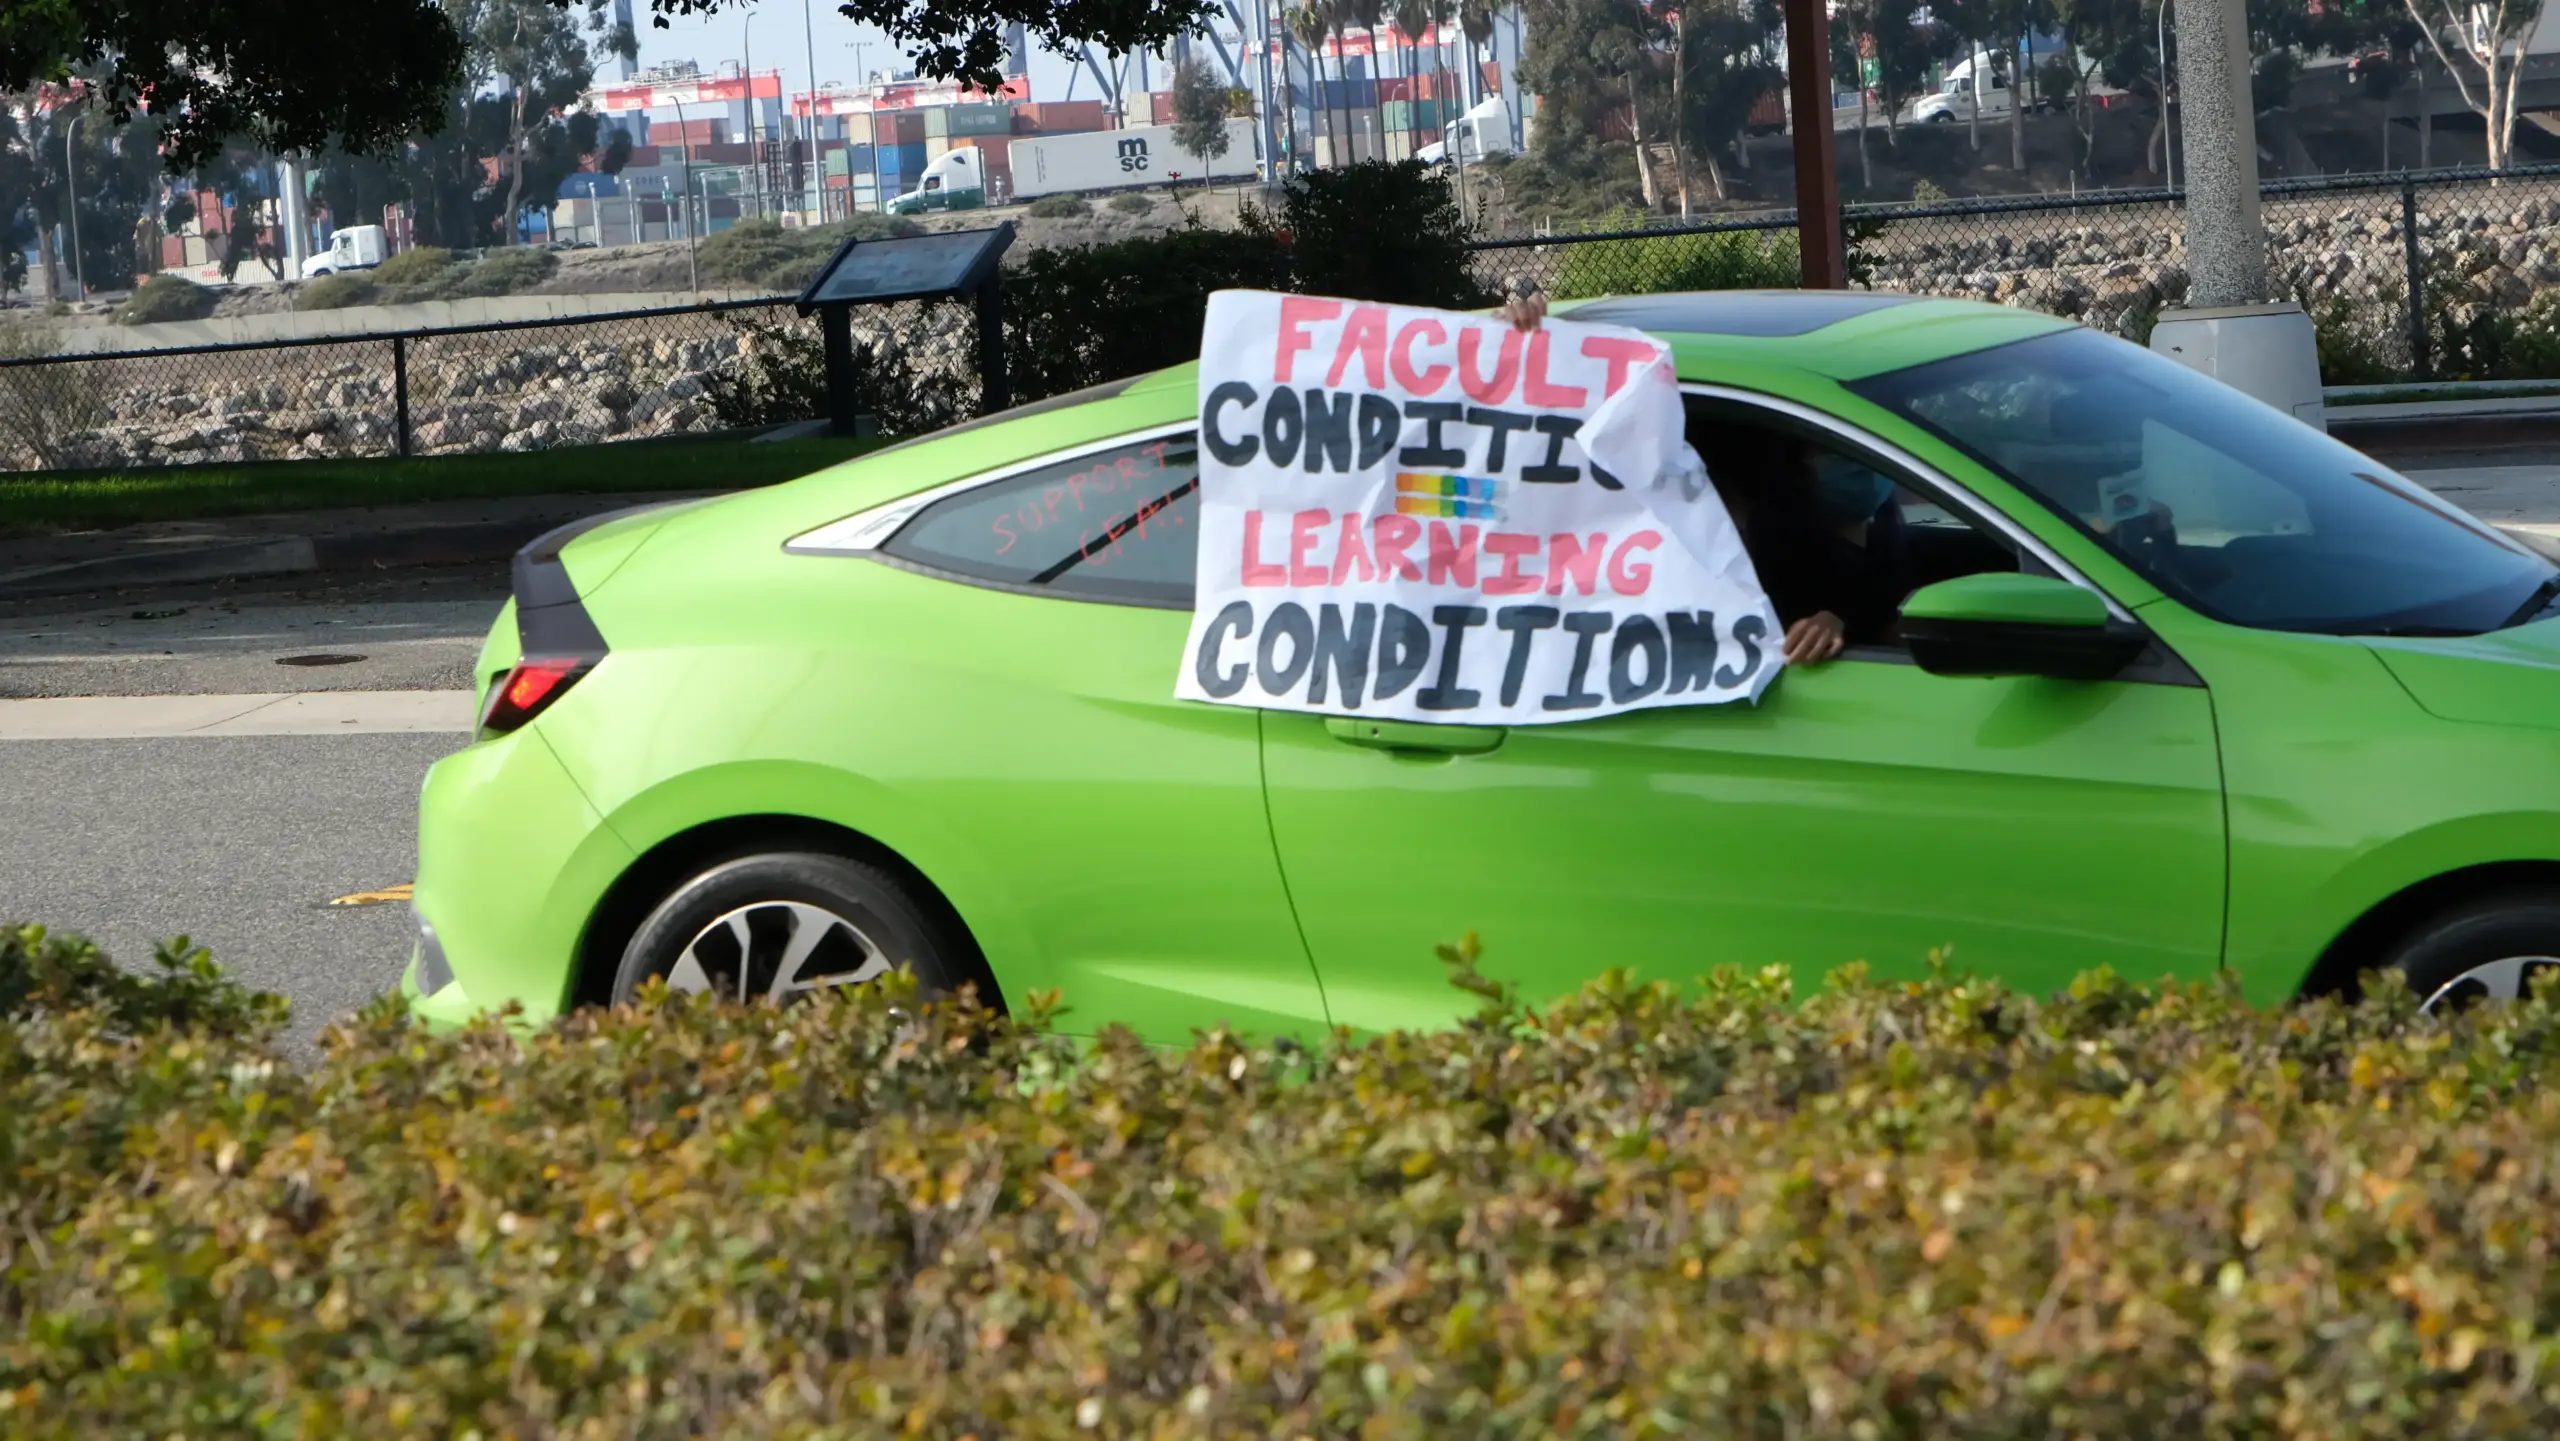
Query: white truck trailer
x=1122, y=159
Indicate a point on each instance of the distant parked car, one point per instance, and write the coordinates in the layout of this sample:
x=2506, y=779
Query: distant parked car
x=2180, y=686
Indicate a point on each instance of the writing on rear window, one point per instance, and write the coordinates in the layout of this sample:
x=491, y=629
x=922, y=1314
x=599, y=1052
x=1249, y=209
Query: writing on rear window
x=1120, y=523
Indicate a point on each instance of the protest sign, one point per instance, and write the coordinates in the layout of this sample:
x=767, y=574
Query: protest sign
x=1419, y=515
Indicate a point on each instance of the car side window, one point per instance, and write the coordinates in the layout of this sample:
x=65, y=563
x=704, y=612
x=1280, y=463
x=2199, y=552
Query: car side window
x=1120, y=523
x=1831, y=527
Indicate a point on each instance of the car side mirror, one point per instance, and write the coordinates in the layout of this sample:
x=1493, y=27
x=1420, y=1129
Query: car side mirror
x=2002, y=624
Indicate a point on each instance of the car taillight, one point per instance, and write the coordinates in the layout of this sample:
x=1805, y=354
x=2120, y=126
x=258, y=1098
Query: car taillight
x=530, y=688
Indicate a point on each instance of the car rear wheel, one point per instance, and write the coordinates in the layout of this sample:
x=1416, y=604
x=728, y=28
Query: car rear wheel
x=2490, y=949
x=770, y=927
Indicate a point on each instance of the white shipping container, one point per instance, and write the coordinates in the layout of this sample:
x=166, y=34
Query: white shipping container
x=1118, y=159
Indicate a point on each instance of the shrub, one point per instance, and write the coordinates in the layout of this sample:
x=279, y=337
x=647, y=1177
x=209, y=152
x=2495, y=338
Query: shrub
x=1079, y=315
x=504, y=272
x=1718, y=260
x=1133, y=203
x=414, y=266
x=164, y=298
x=46, y=409
x=1377, y=230
x=336, y=292
x=1060, y=207
x=761, y=253
x=1912, y=1210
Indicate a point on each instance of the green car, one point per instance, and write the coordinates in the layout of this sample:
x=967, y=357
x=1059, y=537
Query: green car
x=2179, y=685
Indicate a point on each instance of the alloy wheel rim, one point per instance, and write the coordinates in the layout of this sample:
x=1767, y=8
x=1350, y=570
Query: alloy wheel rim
x=2506, y=979
x=775, y=949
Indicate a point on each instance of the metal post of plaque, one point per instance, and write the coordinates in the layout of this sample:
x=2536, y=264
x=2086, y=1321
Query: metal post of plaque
x=951, y=265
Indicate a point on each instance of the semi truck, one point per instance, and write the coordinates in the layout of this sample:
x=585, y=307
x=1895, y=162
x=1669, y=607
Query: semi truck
x=956, y=180
x=1122, y=159
x=358, y=247
x=1483, y=131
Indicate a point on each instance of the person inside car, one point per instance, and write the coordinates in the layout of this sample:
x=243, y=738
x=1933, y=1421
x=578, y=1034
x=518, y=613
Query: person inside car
x=1822, y=531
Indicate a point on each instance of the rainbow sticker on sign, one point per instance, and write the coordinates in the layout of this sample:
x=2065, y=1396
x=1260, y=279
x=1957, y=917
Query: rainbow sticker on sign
x=1450, y=497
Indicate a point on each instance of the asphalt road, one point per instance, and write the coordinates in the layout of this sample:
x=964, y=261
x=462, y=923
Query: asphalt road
x=237, y=842
x=241, y=841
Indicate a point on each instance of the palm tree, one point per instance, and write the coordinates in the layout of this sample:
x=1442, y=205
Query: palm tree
x=1311, y=22
x=1412, y=18
x=1369, y=15
x=1475, y=17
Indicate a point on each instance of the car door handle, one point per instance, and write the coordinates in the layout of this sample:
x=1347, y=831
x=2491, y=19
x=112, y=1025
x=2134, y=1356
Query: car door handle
x=1387, y=735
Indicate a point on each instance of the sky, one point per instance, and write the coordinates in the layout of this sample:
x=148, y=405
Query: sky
x=774, y=29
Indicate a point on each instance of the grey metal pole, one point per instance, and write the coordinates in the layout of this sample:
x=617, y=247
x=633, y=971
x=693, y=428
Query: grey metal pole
x=817, y=170
x=692, y=264
x=71, y=205
x=2226, y=236
x=2168, y=126
x=747, y=63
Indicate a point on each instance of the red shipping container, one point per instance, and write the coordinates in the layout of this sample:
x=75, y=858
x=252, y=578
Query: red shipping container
x=643, y=157
x=738, y=154
x=1060, y=117
x=1395, y=87
x=698, y=132
x=173, y=251
x=1160, y=106
x=1492, y=73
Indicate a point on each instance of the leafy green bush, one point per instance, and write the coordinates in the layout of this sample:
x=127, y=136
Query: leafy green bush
x=1079, y=315
x=1377, y=230
x=1060, y=207
x=164, y=298
x=336, y=292
x=1718, y=260
x=1132, y=203
x=500, y=272
x=762, y=254
x=1926, y=1210
x=415, y=266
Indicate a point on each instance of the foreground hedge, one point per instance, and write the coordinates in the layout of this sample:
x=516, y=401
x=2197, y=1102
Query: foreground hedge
x=1937, y=1210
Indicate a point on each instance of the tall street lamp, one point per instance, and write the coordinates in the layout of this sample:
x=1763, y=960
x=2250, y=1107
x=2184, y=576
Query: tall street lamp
x=71, y=202
x=747, y=63
x=817, y=171
x=693, y=267
x=2168, y=131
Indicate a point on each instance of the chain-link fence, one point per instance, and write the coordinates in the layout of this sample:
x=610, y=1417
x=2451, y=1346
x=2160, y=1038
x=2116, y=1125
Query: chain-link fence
x=2446, y=275
x=515, y=387
x=2479, y=250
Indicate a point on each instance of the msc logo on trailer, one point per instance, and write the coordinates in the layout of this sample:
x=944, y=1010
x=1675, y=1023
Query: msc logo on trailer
x=1133, y=155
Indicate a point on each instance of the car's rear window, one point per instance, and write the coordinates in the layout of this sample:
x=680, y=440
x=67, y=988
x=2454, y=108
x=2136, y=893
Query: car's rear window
x=1121, y=523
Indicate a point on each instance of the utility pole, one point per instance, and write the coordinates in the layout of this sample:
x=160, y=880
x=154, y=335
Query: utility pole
x=1818, y=236
x=747, y=63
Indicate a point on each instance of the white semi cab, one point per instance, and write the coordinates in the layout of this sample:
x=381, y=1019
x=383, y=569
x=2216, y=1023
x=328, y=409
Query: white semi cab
x=955, y=180
x=1483, y=131
x=1120, y=159
x=1972, y=87
x=358, y=247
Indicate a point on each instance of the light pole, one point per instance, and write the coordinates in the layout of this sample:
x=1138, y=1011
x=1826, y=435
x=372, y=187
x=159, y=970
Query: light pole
x=747, y=63
x=693, y=266
x=817, y=171
x=2168, y=130
x=71, y=203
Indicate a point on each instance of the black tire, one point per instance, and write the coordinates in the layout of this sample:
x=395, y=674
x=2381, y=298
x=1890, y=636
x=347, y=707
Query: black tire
x=761, y=905
x=2485, y=949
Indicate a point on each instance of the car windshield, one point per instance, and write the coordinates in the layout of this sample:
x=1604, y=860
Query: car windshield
x=2232, y=507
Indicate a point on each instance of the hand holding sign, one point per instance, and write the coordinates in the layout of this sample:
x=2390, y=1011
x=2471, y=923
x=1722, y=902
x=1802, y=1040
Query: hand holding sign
x=1432, y=516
